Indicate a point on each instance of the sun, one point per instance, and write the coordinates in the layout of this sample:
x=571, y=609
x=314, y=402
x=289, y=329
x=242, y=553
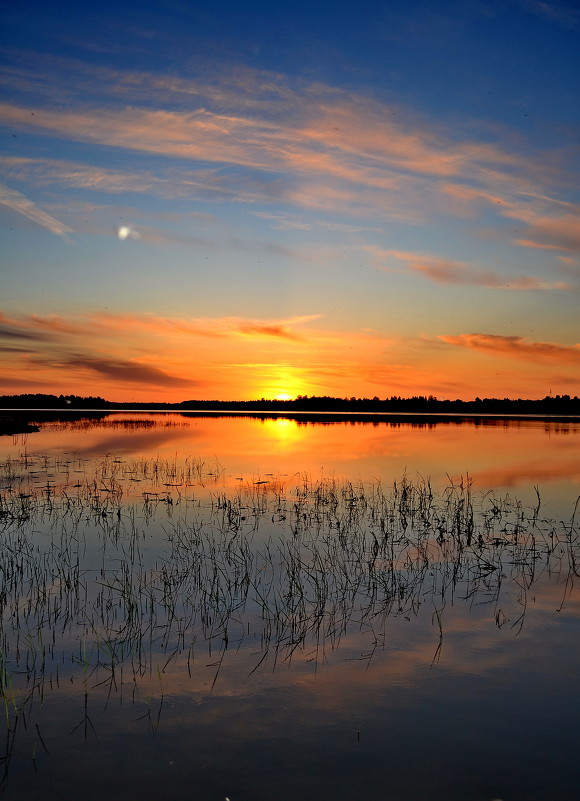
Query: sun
x=282, y=383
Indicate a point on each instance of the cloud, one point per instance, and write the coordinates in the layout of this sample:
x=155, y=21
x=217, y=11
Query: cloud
x=55, y=324
x=9, y=332
x=517, y=347
x=105, y=324
x=352, y=139
x=447, y=271
x=168, y=182
x=528, y=243
x=219, y=327
x=288, y=222
x=18, y=202
x=562, y=233
x=276, y=331
x=548, y=223
x=45, y=328
x=324, y=147
x=81, y=176
x=284, y=222
x=128, y=371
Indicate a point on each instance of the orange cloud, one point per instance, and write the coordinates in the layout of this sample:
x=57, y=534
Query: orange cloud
x=130, y=356
x=562, y=233
x=277, y=331
x=447, y=271
x=106, y=324
x=517, y=347
x=529, y=243
x=55, y=324
x=209, y=327
x=152, y=352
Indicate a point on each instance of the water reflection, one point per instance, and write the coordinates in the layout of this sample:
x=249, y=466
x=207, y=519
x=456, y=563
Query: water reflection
x=496, y=452
x=226, y=599
x=295, y=617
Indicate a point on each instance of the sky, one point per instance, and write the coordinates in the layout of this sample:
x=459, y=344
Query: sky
x=224, y=200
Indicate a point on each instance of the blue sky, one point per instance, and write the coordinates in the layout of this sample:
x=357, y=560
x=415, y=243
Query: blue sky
x=227, y=200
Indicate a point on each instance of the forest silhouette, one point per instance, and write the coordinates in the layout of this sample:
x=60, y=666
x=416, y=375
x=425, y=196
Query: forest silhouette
x=417, y=404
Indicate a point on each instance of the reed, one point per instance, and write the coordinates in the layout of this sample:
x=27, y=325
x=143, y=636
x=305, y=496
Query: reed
x=144, y=561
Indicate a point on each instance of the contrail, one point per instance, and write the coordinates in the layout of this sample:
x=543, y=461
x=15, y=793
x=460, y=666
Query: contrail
x=15, y=200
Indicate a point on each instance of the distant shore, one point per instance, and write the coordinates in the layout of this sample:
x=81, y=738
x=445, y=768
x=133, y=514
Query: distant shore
x=549, y=406
x=24, y=419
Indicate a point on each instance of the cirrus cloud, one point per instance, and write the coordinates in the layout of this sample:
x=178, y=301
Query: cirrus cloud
x=448, y=271
x=517, y=347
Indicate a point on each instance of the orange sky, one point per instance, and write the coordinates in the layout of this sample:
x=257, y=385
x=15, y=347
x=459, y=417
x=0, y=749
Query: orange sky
x=360, y=206
x=147, y=357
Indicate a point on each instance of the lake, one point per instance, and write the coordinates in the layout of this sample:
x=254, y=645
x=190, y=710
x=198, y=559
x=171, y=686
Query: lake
x=317, y=607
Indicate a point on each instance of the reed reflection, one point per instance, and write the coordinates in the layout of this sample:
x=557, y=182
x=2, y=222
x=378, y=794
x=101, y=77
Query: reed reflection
x=315, y=595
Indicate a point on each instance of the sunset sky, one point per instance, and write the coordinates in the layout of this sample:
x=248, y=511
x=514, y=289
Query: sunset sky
x=243, y=200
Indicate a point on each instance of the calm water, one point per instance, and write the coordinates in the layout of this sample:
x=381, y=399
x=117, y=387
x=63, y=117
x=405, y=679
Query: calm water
x=209, y=607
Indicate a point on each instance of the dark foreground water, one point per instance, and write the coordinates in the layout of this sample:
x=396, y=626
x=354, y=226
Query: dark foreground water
x=248, y=609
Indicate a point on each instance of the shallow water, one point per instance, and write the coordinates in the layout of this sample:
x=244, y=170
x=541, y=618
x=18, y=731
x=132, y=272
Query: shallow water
x=511, y=453
x=216, y=607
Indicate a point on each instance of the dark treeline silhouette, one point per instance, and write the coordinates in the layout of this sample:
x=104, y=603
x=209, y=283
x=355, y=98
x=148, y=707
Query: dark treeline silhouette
x=418, y=404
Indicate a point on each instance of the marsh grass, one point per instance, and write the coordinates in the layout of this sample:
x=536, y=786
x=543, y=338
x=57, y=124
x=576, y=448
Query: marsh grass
x=111, y=571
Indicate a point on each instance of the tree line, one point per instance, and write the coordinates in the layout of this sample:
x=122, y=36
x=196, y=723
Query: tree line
x=396, y=404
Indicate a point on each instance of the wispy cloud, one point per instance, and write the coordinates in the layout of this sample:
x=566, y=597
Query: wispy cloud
x=529, y=243
x=328, y=148
x=352, y=139
x=45, y=172
x=98, y=325
x=129, y=371
x=21, y=204
x=447, y=271
x=289, y=222
x=517, y=347
x=53, y=323
x=10, y=332
x=557, y=233
x=224, y=327
x=46, y=329
x=168, y=182
x=276, y=331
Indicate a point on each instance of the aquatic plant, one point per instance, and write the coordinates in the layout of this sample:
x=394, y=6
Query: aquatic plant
x=115, y=570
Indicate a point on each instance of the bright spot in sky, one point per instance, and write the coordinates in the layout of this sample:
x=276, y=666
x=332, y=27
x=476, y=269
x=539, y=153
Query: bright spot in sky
x=124, y=232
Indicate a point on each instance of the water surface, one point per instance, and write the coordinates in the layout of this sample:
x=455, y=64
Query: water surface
x=212, y=607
